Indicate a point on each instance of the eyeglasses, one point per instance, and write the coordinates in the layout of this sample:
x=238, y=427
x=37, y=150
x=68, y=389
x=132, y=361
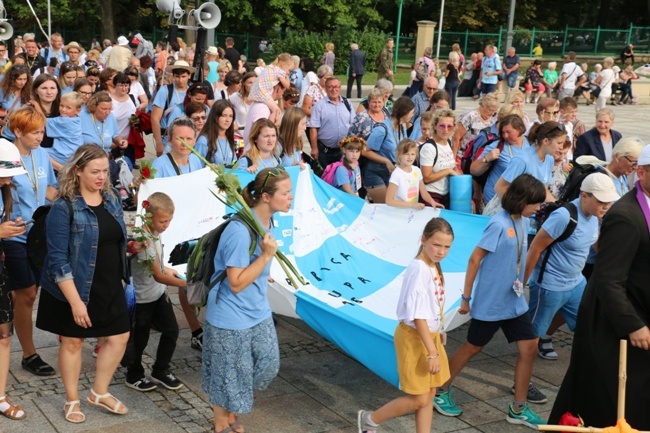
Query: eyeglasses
x=333, y=87
x=123, y=85
x=276, y=171
x=447, y=127
x=197, y=118
x=634, y=163
x=86, y=93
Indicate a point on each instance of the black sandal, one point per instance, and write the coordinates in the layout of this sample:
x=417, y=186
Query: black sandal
x=35, y=365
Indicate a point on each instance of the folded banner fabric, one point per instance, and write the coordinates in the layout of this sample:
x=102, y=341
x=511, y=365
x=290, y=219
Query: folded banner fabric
x=352, y=253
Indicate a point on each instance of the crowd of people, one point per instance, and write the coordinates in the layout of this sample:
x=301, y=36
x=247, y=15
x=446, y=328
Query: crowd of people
x=71, y=115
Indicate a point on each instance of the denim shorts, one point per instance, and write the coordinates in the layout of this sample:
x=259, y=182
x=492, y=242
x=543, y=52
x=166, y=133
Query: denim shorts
x=543, y=304
x=487, y=88
x=19, y=270
x=375, y=175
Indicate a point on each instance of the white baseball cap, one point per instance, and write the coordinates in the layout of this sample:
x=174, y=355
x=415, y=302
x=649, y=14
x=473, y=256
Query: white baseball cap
x=644, y=157
x=10, y=164
x=601, y=186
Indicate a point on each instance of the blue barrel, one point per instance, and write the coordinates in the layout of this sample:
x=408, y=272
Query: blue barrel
x=460, y=193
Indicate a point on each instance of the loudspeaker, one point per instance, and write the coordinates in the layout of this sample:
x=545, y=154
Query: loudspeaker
x=6, y=31
x=171, y=6
x=208, y=15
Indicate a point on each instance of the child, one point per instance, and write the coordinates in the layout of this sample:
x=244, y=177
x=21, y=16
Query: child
x=348, y=175
x=153, y=306
x=66, y=130
x=421, y=359
x=499, y=260
x=406, y=183
x=426, y=125
x=262, y=88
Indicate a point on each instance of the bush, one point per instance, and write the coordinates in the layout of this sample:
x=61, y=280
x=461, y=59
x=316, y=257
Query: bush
x=313, y=45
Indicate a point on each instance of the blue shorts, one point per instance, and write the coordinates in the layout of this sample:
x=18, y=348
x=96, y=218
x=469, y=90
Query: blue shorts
x=543, y=304
x=375, y=175
x=235, y=362
x=487, y=88
x=19, y=270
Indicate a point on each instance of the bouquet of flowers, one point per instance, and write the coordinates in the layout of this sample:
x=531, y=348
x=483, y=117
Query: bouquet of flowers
x=146, y=170
x=143, y=235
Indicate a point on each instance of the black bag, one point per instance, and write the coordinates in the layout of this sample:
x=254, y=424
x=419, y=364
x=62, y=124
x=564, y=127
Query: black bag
x=568, y=231
x=36, y=238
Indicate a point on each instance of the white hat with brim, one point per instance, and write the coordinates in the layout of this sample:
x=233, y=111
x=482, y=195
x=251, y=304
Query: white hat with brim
x=180, y=64
x=74, y=45
x=122, y=41
x=601, y=186
x=212, y=51
x=590, y=160
x=10, y=164
x=644, y=156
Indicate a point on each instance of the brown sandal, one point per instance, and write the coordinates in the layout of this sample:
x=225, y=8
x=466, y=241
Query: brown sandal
x=13, y=412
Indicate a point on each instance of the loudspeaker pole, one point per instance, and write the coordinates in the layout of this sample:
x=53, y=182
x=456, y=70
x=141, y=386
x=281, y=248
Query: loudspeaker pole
x=210, y=34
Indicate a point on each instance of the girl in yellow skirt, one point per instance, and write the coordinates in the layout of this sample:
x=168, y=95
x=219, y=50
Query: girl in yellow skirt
x=421, y=359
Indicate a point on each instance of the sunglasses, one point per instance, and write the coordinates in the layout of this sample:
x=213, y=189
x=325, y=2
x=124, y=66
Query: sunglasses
x=447, y=127
x=197, y=118
x=276, y=171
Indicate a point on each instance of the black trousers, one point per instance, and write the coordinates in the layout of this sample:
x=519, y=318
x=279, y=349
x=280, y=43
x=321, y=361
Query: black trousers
x=159, y=315
x=328, y=155
x=351, y=79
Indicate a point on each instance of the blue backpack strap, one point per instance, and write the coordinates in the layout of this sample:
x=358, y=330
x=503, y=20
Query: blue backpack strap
x=566, y=234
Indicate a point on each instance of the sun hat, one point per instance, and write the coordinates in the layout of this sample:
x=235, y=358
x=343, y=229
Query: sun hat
x=180, y=64
x=122, y=41
x=10, y=164
x=74, y=45
x=601, y=186
x=644, y=157
x=212, y=51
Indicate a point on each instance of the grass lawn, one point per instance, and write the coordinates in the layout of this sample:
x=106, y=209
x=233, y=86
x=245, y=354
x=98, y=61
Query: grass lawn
x=370, y=78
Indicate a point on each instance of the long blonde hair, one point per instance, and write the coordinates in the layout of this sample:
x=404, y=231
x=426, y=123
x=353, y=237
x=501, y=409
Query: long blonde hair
x=68, y=179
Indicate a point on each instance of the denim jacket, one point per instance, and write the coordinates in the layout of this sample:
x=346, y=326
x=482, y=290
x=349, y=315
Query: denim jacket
x=72, y=251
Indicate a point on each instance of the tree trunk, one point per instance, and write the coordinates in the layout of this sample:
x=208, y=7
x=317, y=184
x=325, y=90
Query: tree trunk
x=108, y=22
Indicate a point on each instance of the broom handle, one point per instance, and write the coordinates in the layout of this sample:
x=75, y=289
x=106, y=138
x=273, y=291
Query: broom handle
x=622, y=379
x=566, y=428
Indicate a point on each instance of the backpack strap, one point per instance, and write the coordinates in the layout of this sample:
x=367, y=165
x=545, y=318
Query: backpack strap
x=566, y=234
x=347, y=104
x=133, y=100
x=176, y=169
x=170, y=94
x=251, y=249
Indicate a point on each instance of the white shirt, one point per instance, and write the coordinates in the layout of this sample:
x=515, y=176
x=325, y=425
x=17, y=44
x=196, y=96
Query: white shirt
x=572, y=71
x=417, y=299
x=445, y=160
x=408, y=184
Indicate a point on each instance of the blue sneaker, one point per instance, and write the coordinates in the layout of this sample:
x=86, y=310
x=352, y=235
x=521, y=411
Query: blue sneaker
x=526, y=417
x=445, y=405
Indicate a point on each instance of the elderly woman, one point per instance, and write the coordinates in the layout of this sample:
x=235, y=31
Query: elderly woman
x=625, y=84
x=364, y=121
x=604, y=81
x=316, y=91
x=328, y=57
x=15, y=91
x=386, y=88
x=381, y=150
x=473, y=121
x=437, y=160
x=600, y=140
x=550, y=78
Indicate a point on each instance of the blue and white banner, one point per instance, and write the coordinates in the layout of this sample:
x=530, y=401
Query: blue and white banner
x=352, y=253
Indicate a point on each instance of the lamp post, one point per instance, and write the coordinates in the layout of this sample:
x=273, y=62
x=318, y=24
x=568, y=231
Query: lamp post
x=510, y=33
x=442, y=13
x=399, y=27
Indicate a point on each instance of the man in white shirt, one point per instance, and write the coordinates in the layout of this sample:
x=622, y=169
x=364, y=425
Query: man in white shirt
x=570, y=77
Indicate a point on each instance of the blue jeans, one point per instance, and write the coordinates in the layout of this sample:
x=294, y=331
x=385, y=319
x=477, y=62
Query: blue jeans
x=487, y=88
x=375, y=175
x=451, y=87
x=512, y=79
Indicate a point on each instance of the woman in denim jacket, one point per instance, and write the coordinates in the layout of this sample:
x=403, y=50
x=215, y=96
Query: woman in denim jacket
x=82, y=277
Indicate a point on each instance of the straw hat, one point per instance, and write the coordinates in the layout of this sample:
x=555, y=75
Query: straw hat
x=180, y=64
x=74, y=45
x=10, y=164
x=212, y=51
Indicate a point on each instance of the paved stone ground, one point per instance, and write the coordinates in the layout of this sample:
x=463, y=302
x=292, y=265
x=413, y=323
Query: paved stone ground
x=319, y=388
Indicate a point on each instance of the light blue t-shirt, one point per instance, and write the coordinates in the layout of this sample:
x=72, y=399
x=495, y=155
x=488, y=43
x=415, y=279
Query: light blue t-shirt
x=564, y=267
x=222, y=155
x=490, y=64
x=97, y=132
x=25, y=199
x=67, y=135
x=493, y=297
x=66, y=90
x=7, y=102
x=250, y=306
x=499, y=166
x=528, y=162
x=291, y=160
x=343, y=176
x=161, y=99
x=165, y=168
x=271, y=162
x=383, y=143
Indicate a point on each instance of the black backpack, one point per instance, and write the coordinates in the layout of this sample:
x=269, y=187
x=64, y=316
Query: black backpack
x=435, y=146
x=568, y=231
x=37, y=239
x=571, y=189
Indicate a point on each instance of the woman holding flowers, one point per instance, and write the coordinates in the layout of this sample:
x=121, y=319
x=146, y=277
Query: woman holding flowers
x=240, y=347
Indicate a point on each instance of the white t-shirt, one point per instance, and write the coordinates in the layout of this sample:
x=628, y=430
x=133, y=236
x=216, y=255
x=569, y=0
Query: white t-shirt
x=445, y=160
x=572, y=71
x=606, y=80
x=418, y=299
x=122, y=111
x=241, y=109
x=408, y=184
x=136, y=90
x=256, y=111
x=147, y=289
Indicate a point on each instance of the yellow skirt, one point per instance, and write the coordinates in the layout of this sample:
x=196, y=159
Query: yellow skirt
x=412, y=364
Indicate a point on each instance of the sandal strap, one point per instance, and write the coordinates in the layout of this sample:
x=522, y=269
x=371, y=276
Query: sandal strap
x=12, y=412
